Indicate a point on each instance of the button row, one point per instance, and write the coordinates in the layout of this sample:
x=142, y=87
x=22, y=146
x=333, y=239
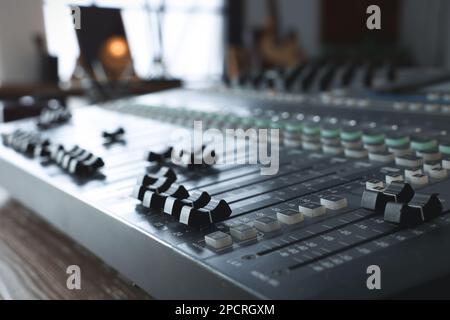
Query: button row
x=246, y=232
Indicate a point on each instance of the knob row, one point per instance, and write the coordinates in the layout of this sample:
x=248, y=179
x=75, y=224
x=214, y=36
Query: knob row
x=331, y=138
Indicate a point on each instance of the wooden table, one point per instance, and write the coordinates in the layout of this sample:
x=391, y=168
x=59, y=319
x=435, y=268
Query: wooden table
x=34, y=258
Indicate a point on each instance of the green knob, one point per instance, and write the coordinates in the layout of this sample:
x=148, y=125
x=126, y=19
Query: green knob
x=330, y=132
x=232, y=119
x=263, y=123
x=421, y=144
x=351, y=134
x=397, y=141
x=444, y=148
x=277, y=125
x=373, y=138
x=247, y=121
x=311, y=129
x=294, y=126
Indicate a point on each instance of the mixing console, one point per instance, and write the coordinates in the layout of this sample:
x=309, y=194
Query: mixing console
x=362, y=180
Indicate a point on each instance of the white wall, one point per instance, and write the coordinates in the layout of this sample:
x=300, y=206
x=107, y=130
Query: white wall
x=19, y=21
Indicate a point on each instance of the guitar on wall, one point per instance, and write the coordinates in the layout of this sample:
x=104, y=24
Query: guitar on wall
x=271, y=50
x=275, y=50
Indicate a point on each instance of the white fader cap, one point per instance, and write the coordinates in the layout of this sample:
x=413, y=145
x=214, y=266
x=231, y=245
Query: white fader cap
x=310, y=209
x=290, y=216
x=393, y=176
x=243, y=232
x=438, y=173
x=266, y=224
x=333, y=202
x=374, y=183
x=218, y=240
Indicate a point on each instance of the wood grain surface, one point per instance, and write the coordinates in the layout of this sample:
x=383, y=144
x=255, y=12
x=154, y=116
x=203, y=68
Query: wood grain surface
x=34, y=258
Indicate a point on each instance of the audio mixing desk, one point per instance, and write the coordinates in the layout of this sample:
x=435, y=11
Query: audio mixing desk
x=362, y=180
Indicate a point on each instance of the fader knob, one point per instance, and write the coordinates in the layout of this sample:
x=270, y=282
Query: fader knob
x=159, y=157
x=395, y=192
x=214, y=211
x=149, y=179
x=112, y=136
x=218, y=240
x=158, y=201
x=421, y=208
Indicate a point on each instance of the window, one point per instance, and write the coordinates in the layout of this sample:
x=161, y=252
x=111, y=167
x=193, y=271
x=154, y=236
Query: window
x=192, y=35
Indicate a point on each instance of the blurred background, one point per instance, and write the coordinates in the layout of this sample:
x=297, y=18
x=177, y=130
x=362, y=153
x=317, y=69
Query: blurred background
x=137, y=46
